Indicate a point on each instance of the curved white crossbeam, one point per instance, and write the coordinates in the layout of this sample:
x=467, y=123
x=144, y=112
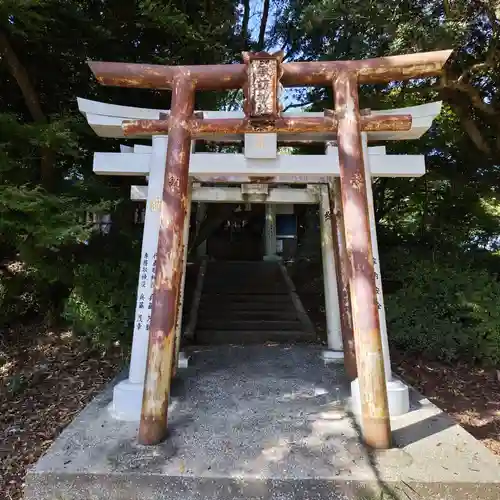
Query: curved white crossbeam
x=106, y=121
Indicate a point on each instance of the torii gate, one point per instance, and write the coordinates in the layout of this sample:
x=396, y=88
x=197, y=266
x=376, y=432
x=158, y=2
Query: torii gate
x=261, y=77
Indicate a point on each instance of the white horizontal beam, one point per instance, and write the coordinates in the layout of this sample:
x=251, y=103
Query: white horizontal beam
x=234, y=195
x=106, y=121
x=227, y=168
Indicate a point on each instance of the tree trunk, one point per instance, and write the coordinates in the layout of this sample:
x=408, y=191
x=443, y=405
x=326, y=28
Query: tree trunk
x=263, y=24
x=32, y=101
x=244, y=23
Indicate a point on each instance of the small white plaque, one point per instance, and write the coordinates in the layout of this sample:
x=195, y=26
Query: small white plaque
x=261, y=146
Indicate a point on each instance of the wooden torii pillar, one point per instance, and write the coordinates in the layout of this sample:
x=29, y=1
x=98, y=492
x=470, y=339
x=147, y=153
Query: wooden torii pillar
x=261, y=77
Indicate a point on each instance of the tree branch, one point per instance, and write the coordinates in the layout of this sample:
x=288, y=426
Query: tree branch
x=464, y=77
x=493, y=12
x=300, y=104
x=295, y=105
x=474, y=96
x=447, y=82
x=472, y=130
x=488, y=63
x=263, y=24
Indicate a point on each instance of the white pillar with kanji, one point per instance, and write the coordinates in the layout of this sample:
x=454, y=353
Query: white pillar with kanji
x=127, y=395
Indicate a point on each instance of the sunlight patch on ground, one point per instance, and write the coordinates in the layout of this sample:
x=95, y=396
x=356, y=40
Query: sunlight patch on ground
x=304, y=394
x=6, y=368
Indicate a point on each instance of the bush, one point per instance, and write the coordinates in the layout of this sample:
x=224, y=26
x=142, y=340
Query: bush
x=22, y=296
x=443, y=308
x=102, y=301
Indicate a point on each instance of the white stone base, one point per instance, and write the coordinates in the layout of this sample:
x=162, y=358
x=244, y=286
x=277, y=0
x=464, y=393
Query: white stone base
x=330, y=356
x=271, y=258
x=127, y=397
x=183, y=360
x=127, y=401
x=397, y=393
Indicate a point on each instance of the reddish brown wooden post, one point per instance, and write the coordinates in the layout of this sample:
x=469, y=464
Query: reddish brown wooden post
x=343, y=271
x=374, y=406
x=153, y=425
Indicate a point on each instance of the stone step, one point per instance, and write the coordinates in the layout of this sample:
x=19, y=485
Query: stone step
x=246, y=337
x=248, y=273
x=224, y=298
x=250, y=292
x=260, y=325
x=247, y=303
x=218, y=308
x=260, y=282
x=235, y=277
x=243, y=314
x=242, y=264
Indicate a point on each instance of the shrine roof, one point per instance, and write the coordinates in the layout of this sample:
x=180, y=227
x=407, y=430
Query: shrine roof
x=106, y=121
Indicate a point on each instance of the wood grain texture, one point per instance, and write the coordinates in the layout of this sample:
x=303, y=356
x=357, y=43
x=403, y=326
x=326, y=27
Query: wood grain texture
x=362, y=286
x=233, y=76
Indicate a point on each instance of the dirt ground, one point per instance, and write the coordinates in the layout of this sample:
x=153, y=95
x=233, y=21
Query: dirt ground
x=469, y=394
x=46, y=377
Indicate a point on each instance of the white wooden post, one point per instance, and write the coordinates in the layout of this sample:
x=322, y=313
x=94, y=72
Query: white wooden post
x=127, y=395
x=270, y=233
x=376, y=262
x=180, y=359
x=332, y=309
x=397, y=392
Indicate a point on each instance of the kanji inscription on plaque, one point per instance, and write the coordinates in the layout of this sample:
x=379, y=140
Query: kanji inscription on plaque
x=262, y=88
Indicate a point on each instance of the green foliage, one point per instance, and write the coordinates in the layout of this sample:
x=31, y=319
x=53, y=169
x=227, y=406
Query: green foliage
x=49, y=220
x=101, y=302
x=22, y=295
x=443, y=307
x=47, y=186
x=462, y=149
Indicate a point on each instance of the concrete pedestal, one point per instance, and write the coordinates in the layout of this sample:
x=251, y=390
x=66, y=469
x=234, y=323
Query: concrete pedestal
x=332, y=356
x=263, y=422
x=271, y=258
x=397, y=394
x=127, y=397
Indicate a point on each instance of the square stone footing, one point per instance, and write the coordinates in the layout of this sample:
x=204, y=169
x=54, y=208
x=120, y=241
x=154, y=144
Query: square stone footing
x=398, y=397
x=263, y=422
x=126, y=403
x=331, y=356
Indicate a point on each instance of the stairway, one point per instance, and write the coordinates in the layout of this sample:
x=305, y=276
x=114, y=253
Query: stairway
x=249, y=303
